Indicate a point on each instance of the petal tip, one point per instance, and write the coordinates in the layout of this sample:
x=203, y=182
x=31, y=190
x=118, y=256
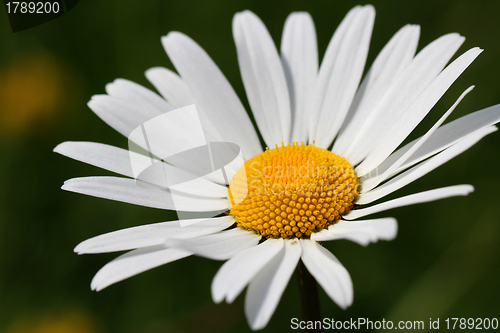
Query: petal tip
x=217, y=297
x=369, y=8
x=172, y=35
x=80, y=248
x=59, y=148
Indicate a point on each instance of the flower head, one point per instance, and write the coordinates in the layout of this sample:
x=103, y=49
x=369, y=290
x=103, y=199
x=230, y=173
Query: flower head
x=334, y=149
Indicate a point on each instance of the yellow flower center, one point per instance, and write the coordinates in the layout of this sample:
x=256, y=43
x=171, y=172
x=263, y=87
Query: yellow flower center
x=292, y=191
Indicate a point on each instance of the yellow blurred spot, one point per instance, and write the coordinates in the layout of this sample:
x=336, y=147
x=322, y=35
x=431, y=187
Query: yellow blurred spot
x=74, y=322
x=31, y=89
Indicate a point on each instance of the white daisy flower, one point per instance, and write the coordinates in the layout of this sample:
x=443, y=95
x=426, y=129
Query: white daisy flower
x=354, y=156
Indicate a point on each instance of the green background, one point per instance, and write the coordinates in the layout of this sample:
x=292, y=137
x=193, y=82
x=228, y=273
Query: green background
x=444, y=262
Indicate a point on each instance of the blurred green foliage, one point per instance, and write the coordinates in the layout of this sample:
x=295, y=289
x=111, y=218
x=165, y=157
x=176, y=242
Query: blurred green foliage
x=444, y=262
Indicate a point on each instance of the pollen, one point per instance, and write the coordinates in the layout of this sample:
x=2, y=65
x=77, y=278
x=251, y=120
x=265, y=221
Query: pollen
x=292, y=191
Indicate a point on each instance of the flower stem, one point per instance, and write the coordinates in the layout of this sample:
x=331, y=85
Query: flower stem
x=308, y=288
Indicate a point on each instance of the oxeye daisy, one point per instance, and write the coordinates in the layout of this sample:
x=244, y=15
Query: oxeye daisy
x=333, y=151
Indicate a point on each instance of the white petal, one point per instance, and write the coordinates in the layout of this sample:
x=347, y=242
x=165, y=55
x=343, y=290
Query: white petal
x=128, y=190
x=133, y=263
x=265, y=289
x=390, y=63
x=127, y=116
x=152, y=234
x=361, y=232
x=370, y=183
x=212, y=92
x=201, y=187
x=220, y=246
x=170, y=86
x=176, y=91
x=408, y=119
x=340, y=73
x=124, y=116
x=412, y=199
x=170, y=133
x=100, y=155
x=445, y=136
x=424, y=168
x=238, y=271
x=426, y=65
x=133, y=92
x=119, y=160
x=263, y=78
x=299, y=55
x=328, y=272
